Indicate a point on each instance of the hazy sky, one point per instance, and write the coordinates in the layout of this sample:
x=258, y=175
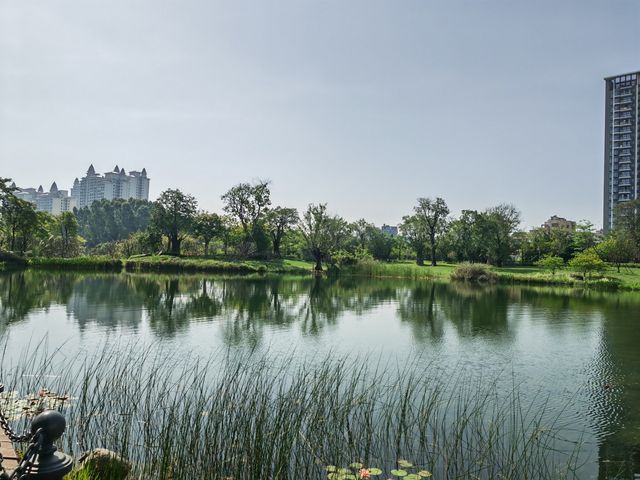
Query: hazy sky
x=365, y=105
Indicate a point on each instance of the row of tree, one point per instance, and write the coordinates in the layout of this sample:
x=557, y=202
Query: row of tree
x=250, y=227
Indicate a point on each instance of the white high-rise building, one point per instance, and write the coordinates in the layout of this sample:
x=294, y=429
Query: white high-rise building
x=54, y=201
x=111, y=185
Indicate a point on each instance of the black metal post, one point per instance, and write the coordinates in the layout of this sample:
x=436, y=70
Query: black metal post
x=48, y=463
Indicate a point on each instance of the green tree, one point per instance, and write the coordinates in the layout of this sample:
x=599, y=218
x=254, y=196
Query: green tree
x=587, y=263
x=550, y=262
x=113, y=220
x=322, y=233
x=617, y=249
x=433, y=215
x=497, y=225
x=19, y=223
x=584, y=236
x=247, y=204
x=279, y=221
x=63, y=240
x=627, y=221
x=380, y=245
x=173, y=215
x=207, y=226
x=414, y=231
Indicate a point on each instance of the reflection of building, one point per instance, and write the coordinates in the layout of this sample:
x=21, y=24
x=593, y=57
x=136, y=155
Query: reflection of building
x=389, y=230
x=111, y=185
x=54, y=201
x=559, y=223
x=621, y=158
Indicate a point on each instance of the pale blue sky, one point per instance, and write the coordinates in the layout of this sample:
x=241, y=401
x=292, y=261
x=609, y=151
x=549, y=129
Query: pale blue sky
x=365, y=105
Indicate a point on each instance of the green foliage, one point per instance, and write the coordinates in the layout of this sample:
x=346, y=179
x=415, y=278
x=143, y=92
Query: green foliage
x=474, y=272
x=173, y=215
x=380, y=245
x=550, y=262
x=208, y=226
x=279, y=221
x=587, y=263
x=322, y=232
x=627, y=222
x=432, y=216
x=21, y=224
x=112, y=220
x=584, y=236
x=617, y=249
x=414, y=232
x=247, y=204
x=496, y=228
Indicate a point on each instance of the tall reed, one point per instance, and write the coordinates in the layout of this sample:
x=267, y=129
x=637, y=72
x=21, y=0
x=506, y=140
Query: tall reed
x=246, y=417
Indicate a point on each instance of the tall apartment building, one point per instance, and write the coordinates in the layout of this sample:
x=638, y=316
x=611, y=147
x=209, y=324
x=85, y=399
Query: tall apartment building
x=54, y=201
x=621, y=137
x=111, y=185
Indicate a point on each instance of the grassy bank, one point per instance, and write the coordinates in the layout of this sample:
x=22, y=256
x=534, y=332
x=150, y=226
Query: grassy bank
x=90, y=263
x=204, y=265
x=627, y=279
x=247, y=418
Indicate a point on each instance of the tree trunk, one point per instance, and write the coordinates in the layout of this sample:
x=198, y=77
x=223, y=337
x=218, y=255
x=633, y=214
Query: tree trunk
x=276, y=248
x=175, y=245
x=206, y=248
x=419, y=259
x=318, y=267
x=433, y=251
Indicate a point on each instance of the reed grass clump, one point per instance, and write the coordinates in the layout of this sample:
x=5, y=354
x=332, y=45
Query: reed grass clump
x=474, y=272
x=252, y=417
x=93, y=263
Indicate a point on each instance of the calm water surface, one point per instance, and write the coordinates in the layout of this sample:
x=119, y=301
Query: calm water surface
x=578, y=351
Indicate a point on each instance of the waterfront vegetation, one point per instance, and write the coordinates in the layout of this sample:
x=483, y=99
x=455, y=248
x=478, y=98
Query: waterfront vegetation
x=252, y=236
x=253, y=417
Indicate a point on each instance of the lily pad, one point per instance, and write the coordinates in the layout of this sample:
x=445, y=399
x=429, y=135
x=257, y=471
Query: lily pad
x=412, y=476
x=405, y=464
x=333, y=476
x=344, y=471
x=399, y=473
x=375, y=471
x=356, y=465
x=425, y=473
x=347, y=476
x=331, y=468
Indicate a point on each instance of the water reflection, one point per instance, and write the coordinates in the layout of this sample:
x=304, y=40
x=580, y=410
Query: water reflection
x=492, y=320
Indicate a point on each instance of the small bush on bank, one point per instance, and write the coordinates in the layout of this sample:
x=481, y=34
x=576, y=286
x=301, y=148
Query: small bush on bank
x=474, y=272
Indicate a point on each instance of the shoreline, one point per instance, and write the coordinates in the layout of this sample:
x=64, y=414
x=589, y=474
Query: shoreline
x=514, y=275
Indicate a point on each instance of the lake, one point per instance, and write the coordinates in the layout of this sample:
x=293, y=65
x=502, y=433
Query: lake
x=574, y=352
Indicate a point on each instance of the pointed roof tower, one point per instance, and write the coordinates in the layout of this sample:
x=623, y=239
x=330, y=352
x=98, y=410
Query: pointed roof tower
x=144, y=172
x=91, y=171
x=116, y=169
x=122, y=171
x=13, y=185
x=40, y=189
x=54, y=188
x=76, y=182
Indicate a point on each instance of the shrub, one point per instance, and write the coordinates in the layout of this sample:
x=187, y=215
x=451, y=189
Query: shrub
x=474, y=272
x=587, y=263
x=550, y=262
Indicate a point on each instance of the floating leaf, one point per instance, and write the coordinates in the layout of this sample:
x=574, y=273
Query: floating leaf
x=424, y=473
x=375, y=471
x=399, y=473
x=333, y=476
x=405, y=464
x=347, y=476
x=412, y=476
x=344, y=471
x=331, y=468
x=356, y=465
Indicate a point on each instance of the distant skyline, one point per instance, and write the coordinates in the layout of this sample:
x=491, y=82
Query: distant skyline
x=365, y=105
